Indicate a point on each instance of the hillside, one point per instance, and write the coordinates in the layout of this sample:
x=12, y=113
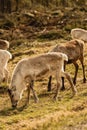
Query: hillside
x=29, y=25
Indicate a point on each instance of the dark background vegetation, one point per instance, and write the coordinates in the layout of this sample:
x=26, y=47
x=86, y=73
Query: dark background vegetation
x=8, y=5
x=43, y=19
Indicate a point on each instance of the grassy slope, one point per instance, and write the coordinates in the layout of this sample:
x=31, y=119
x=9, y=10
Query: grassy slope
x=65, y=114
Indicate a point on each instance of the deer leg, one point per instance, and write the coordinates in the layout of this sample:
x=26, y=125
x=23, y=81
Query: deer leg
x=63, y=87
x=74, y=90
x=58, y=79
x=49, y=83
x=34, y=93
x=28, y=95
x=83, y=67
x=1, y=76
x=5, y=79
x=76, y=71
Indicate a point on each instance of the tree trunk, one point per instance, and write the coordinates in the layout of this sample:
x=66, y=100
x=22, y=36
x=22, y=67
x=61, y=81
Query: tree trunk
x=17, y=5
x=47, y=3
x=64, y=2
x=56, y=3
x=32, y=1
x=5, y=6
x=8, y=6
x=2, y=6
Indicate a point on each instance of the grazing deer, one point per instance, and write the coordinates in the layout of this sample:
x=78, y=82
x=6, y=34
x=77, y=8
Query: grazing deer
x=78, y=33
x=4, y=58
x=74, y=50
x=29, y=69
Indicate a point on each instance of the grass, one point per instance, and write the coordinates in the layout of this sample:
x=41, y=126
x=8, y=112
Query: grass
x=65, y=114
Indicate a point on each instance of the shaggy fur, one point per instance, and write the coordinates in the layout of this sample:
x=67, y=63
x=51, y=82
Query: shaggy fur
x=74, y=49
x=79, y=33
x=30, y=69
x=4, y=58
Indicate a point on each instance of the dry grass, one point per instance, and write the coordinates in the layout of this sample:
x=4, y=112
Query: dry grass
x=65, y=114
